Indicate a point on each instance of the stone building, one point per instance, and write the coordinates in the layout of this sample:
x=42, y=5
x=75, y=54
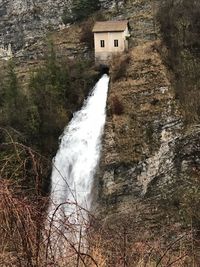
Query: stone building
x=6, y=53
x=110, y=37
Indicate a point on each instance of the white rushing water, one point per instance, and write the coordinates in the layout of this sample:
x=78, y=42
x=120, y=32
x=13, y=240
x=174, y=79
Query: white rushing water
x=75, y=165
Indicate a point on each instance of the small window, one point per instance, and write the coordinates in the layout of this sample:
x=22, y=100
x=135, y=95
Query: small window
x=116, y=43
x=102, y=43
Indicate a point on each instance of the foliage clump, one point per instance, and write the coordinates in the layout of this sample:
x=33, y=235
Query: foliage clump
x=119, y=66
x=117, y=106
x=36, y=117
x=80, y=9
x=12, y=97
x=86, y=35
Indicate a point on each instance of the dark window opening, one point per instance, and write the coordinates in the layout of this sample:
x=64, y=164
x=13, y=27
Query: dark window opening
x=102, y=43
x=116, y=43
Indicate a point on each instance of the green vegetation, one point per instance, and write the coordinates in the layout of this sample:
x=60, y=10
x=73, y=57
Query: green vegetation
x=57, y=90
x=32, y=117
x=12, y=98
x=86, y=35
x=80, y=10
x=36, y=117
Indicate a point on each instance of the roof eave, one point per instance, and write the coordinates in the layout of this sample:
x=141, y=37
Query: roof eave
x=108, y=31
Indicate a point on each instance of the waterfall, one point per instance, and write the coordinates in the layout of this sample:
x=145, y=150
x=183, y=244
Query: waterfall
x=74, y=167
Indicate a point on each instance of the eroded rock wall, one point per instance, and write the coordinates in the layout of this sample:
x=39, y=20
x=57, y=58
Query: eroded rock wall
x=24, y=21
x=147, y=183
x=139, y=144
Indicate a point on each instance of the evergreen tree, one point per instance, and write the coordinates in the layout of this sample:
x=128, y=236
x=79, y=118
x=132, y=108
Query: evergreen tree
x=12, y=96
x=12, y=86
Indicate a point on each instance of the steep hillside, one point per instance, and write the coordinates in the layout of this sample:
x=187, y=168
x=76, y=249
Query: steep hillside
x=146, y=193
x=149, y=171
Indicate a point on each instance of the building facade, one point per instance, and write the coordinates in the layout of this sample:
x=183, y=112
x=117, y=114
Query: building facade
x=110, y=37
x=6, y=53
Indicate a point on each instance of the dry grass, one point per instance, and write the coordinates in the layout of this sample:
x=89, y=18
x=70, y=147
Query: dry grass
x=119, y=65
x=111, y=244
x=20, y=228
x=27, y=238
x=126, y=244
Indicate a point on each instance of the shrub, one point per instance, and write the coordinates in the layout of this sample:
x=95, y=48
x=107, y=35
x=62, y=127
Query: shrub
x=87, y=34
x=116, y=106
x=55, y=90
x=67, y=15
x=13, y=100
x=80, y=10
x=119, y=66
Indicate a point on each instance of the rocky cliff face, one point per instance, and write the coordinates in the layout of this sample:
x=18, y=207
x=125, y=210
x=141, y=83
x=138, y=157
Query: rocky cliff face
x=150, y=157
x=139, y=143
x=24, y=21
x=147, y=144
x=25, y=24
x=148, y=175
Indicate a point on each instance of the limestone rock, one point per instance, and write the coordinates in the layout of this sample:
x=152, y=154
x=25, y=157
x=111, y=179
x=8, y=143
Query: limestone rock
x=25, y=21
x=147, y=145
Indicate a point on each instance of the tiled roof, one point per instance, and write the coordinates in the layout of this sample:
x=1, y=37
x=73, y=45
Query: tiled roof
x=110, y=26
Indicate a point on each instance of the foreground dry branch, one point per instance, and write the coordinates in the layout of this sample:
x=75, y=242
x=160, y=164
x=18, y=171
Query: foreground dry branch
x=27, y=236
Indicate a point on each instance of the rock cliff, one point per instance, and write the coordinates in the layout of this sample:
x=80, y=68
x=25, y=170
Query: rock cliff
x=139, y=143
x=25, y=21
x=150, y=159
